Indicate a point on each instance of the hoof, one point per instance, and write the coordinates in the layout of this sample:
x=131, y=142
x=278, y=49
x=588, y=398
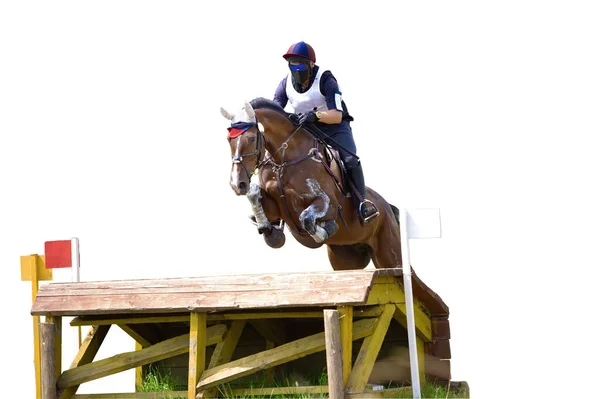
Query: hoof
x=275, y=239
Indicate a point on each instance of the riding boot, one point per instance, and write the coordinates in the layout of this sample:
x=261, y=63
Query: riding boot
x=365, y=208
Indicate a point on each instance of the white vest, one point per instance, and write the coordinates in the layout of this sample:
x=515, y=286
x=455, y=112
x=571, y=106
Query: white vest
x=307, y=101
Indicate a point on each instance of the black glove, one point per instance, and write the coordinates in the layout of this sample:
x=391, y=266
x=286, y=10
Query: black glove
x=309, y=117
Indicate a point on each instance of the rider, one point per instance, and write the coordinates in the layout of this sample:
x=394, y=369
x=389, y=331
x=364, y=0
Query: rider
x=315, y=96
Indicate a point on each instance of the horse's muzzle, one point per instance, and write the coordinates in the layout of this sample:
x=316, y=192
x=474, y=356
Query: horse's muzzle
x=241, y=188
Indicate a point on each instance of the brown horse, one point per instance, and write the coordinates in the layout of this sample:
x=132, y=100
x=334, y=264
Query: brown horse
x=298, y=184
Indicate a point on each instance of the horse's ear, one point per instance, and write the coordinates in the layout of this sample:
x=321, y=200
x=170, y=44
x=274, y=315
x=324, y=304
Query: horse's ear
x=249, y=110
x=226, y=114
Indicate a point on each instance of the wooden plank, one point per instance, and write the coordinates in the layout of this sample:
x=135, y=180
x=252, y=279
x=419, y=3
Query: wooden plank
x=197, y=351
x=131, y=331
x=392, y=293
x=224, y=352
x=206, y=290
x=57, y=322
x=115, y=364
x=269, y=373
x=346, y=316
x=136, y=395
x=48, y=366
x=276, y=356
x=369, y=351
x=400, y=392
x=422, y=322
x=333, y=354
x=95, y=320
x=207, y=293
x=421, y=358
x=234, y=282
x=271, y=392
x=87, y=351
x=72, y=305
x=271, y=330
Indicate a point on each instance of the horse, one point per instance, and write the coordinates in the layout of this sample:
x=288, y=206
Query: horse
x=301, y=185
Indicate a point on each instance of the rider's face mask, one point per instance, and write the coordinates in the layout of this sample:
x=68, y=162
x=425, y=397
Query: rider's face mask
x=300, y=72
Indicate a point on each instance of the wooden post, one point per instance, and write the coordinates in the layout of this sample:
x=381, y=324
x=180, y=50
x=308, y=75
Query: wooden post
x=48, y=365
x=346, y=320
x=197, y=360
x=36, y=333
x=334, y=354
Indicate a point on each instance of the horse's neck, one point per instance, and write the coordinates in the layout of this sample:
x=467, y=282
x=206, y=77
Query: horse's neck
x=283, y=138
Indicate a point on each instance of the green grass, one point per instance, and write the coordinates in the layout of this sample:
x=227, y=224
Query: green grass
x=158, y=380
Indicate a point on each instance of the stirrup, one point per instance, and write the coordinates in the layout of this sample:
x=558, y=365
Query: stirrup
x=361, y=208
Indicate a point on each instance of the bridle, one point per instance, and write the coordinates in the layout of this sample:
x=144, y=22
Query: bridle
x=258, y=152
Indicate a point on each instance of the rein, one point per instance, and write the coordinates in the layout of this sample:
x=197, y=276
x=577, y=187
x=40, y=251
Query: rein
x=313, y=154
x=278, y=168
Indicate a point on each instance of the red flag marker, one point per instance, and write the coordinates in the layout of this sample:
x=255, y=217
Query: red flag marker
x=58, y=254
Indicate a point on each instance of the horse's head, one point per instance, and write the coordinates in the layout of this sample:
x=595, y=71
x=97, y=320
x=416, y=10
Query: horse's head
x=247, y=146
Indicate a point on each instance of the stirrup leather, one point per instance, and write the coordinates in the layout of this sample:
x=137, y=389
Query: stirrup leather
x=361, y=208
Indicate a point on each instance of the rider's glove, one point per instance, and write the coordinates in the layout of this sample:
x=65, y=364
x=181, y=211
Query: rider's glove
x=309, y=117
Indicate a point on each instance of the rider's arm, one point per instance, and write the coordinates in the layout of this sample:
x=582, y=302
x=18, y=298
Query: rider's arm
x=280, y=96
x=331, y=116
x=330, y=89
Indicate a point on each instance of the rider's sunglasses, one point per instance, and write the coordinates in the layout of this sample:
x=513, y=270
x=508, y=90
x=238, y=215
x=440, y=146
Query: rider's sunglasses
x=299, y=67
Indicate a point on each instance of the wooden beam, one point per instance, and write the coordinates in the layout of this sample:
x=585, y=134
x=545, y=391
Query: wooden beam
x=346, y=315
x=422, y=321
x=87, y=351
x=369, y=351
x=136, y=395
x=224, y=352
x=276, y=356
x=421, y=358
x=197, y=360
x=57, y=322
x=129, y=319
x=392, y=293
x=271, y=330
x=115, y=364
x=333, y=353
x=48, y=366
x=139, y=339
x=271, y=392
x=93, y=320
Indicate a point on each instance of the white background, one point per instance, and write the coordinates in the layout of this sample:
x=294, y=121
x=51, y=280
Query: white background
x=110, y=131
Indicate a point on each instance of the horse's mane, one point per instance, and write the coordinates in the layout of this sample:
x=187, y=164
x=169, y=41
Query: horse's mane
x=262, y=102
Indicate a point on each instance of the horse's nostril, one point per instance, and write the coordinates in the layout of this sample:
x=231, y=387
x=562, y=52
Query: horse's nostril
x=242, y=186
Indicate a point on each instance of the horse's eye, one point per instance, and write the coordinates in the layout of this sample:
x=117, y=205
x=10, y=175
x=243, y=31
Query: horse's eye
x=252, y=139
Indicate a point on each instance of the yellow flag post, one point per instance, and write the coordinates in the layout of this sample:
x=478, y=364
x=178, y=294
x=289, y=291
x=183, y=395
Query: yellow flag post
x=33, y=268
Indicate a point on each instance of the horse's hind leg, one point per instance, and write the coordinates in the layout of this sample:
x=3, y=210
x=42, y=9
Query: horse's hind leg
x=386, y=249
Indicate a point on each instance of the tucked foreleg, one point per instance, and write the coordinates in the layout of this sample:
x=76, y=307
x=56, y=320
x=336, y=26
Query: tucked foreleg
x=274, y=237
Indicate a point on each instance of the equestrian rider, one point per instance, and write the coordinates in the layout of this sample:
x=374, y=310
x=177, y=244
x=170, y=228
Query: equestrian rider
x=315, y=96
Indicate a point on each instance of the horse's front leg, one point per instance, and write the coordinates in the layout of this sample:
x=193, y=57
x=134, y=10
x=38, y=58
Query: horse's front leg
x=318, y=209
x=259, y=200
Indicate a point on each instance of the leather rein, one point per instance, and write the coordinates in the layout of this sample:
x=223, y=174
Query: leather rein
x=278, y=168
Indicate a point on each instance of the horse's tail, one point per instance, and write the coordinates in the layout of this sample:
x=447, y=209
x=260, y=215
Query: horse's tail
x=396, y=212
